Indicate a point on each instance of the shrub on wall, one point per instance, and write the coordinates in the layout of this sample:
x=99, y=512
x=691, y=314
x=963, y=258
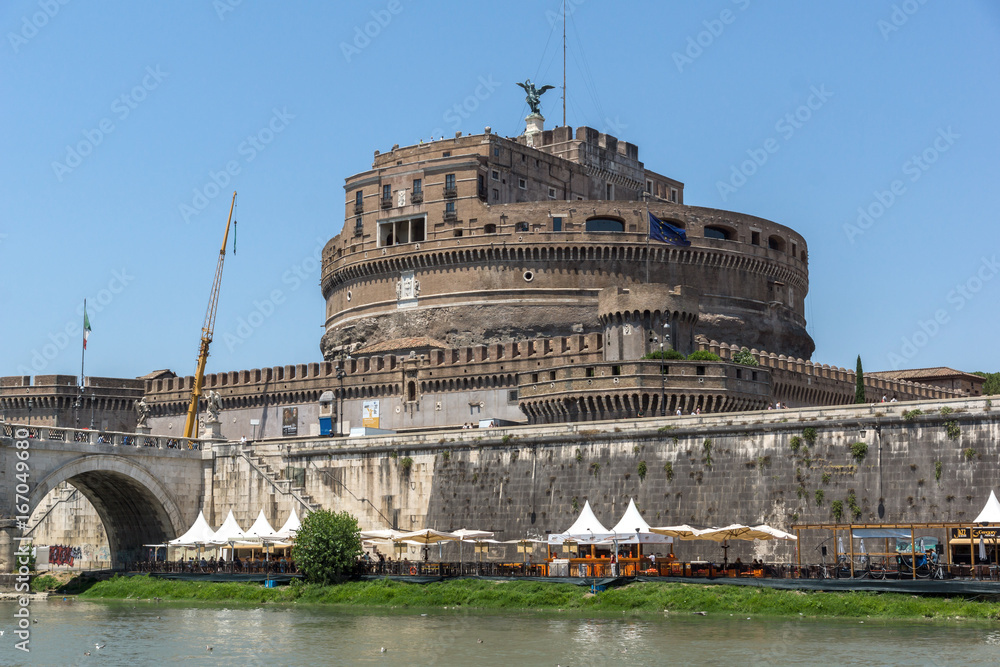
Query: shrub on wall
x=666, y=354
x=859, y=450
x=837, y=509
x=668, y=468
x=745, y=358
x=405, y=464
x=809, y=435
x=952, y=430
x=795, y=443
x=642, y=470
x=937, y=471
x=703, y=355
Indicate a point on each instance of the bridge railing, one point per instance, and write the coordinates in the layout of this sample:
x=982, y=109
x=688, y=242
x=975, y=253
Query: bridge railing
x=97, y=437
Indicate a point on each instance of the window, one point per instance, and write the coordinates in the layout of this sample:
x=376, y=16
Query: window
x=357, y=198
x=552, y=375
x=449, y=181
x=557, y=224
x=739, y=374
x=616, y=370
x=718, y=233
x=609, y=191
x=523, y=184
x=649, y=187
x=358, y=226
x=524, y=158
x=552, y=193
x=495, y=175
x=700, y=370
x=795, y=250
x=590, y=372
x=534, y=377
x=418, y=185
x=755, y=238
x=489, y=228
x=449, y=207
x=458, y=232
x=411, y=391
x=386, y=192
x=406, y=230
x=512, y=396
x=605, y=225
x=521, y=227
x=673, y=195
x=496, y=151
x=776, y=243
x=446, y=154
x=496, y=195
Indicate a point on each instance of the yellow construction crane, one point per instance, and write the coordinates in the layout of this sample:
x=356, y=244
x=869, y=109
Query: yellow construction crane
x=191, y=426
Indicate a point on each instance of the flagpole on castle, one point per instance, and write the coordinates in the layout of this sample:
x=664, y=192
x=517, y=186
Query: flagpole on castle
x=83, y=352
x=649, y=232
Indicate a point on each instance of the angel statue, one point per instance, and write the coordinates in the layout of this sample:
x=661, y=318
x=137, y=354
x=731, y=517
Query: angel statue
x=533, y=94
x=213, y=406
x=142, y=412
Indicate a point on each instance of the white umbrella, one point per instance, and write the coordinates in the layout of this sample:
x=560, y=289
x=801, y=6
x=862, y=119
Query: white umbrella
x=982, y=548
x=466, y=534
x=683, y=532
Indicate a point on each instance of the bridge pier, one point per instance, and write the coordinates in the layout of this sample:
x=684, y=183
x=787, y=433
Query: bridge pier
x=8, y=544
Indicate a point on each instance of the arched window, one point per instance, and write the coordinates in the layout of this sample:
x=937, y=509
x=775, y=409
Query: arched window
x=605, y=225
x=411, y=391
x=776, y=243
x=722, y=233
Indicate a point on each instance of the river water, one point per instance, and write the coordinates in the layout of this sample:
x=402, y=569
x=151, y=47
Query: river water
x=148, y=633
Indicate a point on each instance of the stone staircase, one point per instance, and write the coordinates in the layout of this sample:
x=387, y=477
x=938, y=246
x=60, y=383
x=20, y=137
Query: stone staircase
x=283, y=486
x=64, y=493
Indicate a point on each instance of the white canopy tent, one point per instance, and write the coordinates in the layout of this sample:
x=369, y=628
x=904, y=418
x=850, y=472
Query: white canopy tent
x=229, y=531
x=199, y=534
x=586, y=529
x=291, y=526
x=991, y=511
x=633, y=529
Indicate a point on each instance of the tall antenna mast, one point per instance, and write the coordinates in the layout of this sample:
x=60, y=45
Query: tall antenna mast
x=564, y=63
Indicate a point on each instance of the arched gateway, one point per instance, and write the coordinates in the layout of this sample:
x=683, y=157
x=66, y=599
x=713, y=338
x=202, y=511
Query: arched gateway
x=146, y=490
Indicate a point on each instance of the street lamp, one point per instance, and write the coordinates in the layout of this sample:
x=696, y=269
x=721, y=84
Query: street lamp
x=341, y=374
x=653, y=338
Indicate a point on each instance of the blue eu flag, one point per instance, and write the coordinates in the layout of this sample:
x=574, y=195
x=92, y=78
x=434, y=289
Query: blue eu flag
x=665, y=232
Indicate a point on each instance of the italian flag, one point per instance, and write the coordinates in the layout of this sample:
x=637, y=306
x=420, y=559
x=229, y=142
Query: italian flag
x=86, y=326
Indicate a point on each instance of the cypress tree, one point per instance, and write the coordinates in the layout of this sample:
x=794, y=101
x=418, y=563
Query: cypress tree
x=859, y=386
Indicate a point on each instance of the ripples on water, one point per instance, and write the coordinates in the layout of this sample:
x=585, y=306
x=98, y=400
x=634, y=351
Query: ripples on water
x=147, y=633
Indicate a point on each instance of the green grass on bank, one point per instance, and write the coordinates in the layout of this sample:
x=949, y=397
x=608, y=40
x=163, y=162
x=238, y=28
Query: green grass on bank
x=531, y=596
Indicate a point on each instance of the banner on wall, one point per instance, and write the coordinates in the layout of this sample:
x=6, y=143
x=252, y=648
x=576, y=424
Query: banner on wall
x=369, y=414
x=289, y=421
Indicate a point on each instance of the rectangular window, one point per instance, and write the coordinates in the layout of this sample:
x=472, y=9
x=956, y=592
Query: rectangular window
x=552, y=193
x=386, y=192
x=512, y=396
x=739, y=374
x=552, y=376
x=673, y=195
x=521, y=227
x=358, y=226
x=357, y=198
x=449, y=181
x=700, y=370
x=609, y=191
x=557, y=224
x=446, y=154
x=496, y=195
x=649, y=187
x=449, y=207
x=590, y=372
x=534, y=377
x=496, y=151
x=418, y=185
x=616, y=370
x=495, y=175
x=458, y=232
x=523, y=184
x=524, y=158
x=755, y=238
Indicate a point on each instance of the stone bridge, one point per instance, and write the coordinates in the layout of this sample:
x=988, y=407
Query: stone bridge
x=146, y=489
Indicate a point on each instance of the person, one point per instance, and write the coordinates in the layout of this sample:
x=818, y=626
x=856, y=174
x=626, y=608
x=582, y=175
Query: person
x=243, y=441
x=678, y=412
x=884, y=399
x=893, y=399
x=614, y=563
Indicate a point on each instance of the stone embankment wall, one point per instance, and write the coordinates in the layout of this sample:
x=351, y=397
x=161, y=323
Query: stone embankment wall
x=706, y=470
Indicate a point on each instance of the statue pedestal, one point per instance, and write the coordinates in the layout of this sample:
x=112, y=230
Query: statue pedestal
x=143, y=430
x=535, y=124
x=213, y=430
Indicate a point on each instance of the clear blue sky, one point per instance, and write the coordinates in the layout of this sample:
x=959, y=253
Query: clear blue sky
x=154, y=98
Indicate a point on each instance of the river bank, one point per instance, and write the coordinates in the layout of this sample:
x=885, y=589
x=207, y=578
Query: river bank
x=531, y=596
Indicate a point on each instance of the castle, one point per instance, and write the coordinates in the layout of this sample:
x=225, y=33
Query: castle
x=510, y=280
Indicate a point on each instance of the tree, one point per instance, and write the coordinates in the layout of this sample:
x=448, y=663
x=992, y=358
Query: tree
x=703, y=355
x=327, y=546
x=744, y=357
x=992, y=384
x=859, y=384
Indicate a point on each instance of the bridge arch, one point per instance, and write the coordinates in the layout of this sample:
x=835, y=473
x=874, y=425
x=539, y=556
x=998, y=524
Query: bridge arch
x=133, y=505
